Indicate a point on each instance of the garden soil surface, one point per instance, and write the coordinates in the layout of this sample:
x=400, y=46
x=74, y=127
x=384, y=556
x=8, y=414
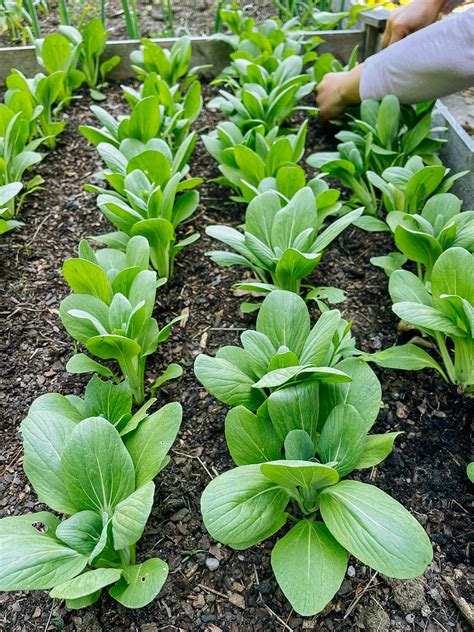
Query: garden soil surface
x=425, y=472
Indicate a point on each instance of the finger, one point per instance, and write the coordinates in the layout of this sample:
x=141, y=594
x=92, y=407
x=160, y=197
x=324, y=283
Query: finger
x=398, y=32
x=387, y=34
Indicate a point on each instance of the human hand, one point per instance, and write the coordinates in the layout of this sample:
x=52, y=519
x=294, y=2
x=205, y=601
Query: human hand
x=410, y=18
x=336, y=91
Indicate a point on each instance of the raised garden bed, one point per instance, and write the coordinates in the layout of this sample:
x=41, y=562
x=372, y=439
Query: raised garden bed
x=212, y=587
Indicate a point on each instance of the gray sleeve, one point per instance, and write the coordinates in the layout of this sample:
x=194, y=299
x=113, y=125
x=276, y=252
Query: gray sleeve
x=431, y=63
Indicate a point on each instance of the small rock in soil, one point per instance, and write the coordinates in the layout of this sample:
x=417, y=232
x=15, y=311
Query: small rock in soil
x=375, y=619
x=212, y=564
x=409, y=594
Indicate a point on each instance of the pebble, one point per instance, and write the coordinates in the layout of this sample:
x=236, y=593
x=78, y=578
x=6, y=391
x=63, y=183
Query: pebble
x=351, y=571
x=212, y=564
x=410, y=618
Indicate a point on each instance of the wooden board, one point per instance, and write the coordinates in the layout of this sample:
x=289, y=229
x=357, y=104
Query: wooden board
x=206, y=50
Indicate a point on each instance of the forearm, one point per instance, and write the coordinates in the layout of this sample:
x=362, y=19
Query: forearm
x=433, y=62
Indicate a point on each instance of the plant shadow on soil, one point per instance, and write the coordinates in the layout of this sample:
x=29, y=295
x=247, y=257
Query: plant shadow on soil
x=425, y=472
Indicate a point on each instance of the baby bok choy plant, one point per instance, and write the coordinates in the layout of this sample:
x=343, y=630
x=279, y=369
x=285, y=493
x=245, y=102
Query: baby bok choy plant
x=149, y=119
x=265, y=98
x=281, y=243
x=251, y=162
x=171, y=65
x=291, y=464
x=285, y=351
x=443, y=310
x=391, y=133
x=423, y=237
x=17, y=155
x=408, y=188
x=326, y=62
x=110, y=312
x=91, y=41
x=270, y=39
x=56, y=53
x=151, y=196
x=94, y=461
x=8, y=193
x=37, y=95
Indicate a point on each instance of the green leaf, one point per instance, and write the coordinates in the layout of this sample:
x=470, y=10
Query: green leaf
x=407, y=357
x=80, y=363
x=364, y=392
x=300, y=474
x=425, y=317
x=295, y=408
x=130, y=516
x=453, y=273
x=172, y=372
x=83, y=602
x=405, y=286
x=470, y=471
x=97, y=469
x=40, y=522
x=388, y=120
x=105, y=399
x=299, y=446
x=319, y=342
x=376, y=529
x=389, y=263
x=371, y=224
x=45, y=434
x=279, y=377
x=242, y=507
x=81, y=531
x=227, y=382
x=151, y=441
x=284, y=319
x=140, y=583
x=36, y=562
x=86, y=584
x=343, y=439
x=86, y=277
x=377, y=448
x=250, y=438
x=309, y=566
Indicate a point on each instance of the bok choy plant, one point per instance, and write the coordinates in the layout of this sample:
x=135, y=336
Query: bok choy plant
x=271, y=38
x=17, y=155
x=153, y=116
x=302, y=410
x=281, y=242
x=110, y=312
x=251, y=163
x=444, y=311
x=265, y=97
x=285, y=351
x=90, y=41
x=291, y=463
x=172, y=65
x=93, y=460
x=423, y=237
x=8, y=193
x=38, y=96
x=151, y=196
x=327, y=62
x=408, y=188
x=56, y=53
x=387, y=135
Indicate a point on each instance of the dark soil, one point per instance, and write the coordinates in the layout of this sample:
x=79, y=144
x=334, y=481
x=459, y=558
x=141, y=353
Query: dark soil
x=193, y=17
x=426, y=471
